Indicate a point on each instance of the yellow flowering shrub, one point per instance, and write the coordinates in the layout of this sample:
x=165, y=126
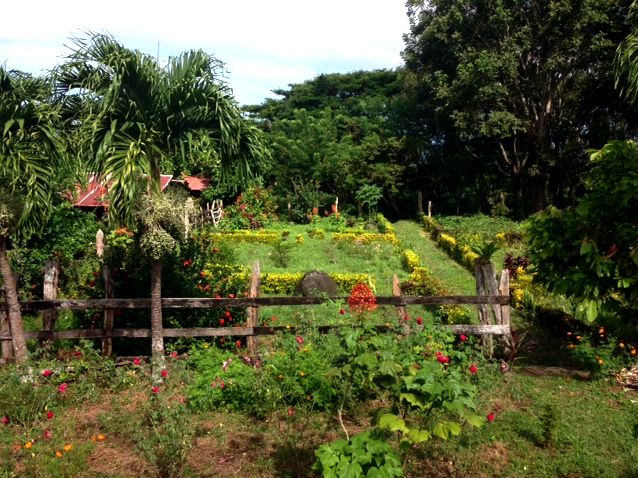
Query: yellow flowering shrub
x=447, y=242
x=410, y=260
x=364, y=237
x=262, y=236
x=299, y=238
x=384, y=225
x=286, y=283
x=468, y=257
x=422, y=282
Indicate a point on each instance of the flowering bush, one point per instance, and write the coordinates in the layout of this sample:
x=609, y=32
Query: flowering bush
x=410, y=260
x=362, y=299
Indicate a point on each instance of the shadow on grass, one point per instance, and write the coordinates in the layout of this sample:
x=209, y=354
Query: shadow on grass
x=292, y=461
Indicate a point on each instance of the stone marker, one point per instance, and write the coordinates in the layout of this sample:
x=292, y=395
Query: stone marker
x=317, y=283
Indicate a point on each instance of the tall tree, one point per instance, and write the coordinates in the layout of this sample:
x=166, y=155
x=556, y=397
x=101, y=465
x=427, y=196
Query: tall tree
x=31, y=149
x=524, y=85
x=139, y=115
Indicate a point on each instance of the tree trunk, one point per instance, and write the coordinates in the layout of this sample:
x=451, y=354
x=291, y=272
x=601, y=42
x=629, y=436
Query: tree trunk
x=157, y=339
x=15, y=315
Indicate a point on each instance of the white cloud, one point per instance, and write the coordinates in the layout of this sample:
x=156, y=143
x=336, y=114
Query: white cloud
x=265, y=44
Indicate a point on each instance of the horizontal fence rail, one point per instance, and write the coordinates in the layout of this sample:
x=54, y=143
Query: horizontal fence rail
x=203, y=303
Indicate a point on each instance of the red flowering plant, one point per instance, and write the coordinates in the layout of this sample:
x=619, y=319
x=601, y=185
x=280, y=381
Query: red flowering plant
x=362, y=300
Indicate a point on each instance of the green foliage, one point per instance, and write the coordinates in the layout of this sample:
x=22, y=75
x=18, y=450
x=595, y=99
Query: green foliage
x=369, y=194
x=589, y=251
x=281, y=253
x=474, y=69
x=254, y=208
x=361, y=456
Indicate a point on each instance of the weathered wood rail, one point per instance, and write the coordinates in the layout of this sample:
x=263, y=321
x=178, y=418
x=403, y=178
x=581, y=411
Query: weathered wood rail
x=248, y=302
x=499, y=302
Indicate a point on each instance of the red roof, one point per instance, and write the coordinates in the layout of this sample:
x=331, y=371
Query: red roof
x=194, y=183
x=92, y=195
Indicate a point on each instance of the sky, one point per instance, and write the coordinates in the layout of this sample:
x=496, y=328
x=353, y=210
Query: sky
x=265, y=45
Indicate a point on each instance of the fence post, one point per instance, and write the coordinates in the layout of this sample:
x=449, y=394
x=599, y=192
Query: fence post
x=50, y=292
x=253, y=312
x=504, y=290
x=109, y=293
x=396, y=292
x=486, y=285
x=419, y=201
x=5, y=345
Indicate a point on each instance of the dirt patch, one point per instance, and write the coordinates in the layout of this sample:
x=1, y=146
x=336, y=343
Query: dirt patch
x=492, y=459
x=119, y=461
x=538, y=371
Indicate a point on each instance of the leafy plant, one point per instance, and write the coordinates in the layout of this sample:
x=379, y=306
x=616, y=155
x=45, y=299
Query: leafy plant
x=362, y=455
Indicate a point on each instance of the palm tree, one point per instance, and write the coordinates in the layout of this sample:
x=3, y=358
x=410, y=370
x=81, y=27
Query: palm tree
x=30, y=149
x=141, y=114
x=626, y=61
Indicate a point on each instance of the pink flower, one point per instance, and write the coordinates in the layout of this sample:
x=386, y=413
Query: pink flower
x=490, y=417
x=50, y=415
x=47, y=434
x=473, y=369
x=222, y=384
x=299, y=339
x=137, y=361
x=5, y=420
x=463, y=338
x=173, y=354
x=62, y=387
x=419, y=320
x=47, y=373
x=155, y=389
x=164, y=373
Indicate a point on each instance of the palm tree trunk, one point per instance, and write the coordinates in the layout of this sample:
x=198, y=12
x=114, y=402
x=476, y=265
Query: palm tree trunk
x=157, y=339
x=15, y=315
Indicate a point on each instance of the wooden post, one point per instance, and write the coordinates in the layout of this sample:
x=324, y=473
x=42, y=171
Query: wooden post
x=486, y=285
x=5, y=345
x=5, y=328
x=253, y=312
x=50, y=292
x=401, y=309
x=429, y=208
x=504, y=290
x=109, y=293
x=419, y=201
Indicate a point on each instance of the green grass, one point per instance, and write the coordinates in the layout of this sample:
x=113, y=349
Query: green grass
x=550, y=426
x=456, y=278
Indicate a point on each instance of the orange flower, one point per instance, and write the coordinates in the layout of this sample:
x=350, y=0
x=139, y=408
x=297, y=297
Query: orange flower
x=101, y=437
x=28, y=445
x=58, y=454
x=68, y=447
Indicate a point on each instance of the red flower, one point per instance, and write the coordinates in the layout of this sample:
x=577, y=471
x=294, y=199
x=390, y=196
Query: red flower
x=77, y=353
x=419, y=320
x=62, y=387
x=47, y=373
x=47, y=434
x=291, y=411
x=187, y=262
x=299, y=339
x=5, y=420
x=238, y=344
x=463, y=338
x=222, y=384
x=231, y=296
x=342, y=311
x=164, y=373
x=137, y=361
x=362, y=299
x=173, y=354
x=406, y=317
x=490, y=417
x=155, y=389
x=222, y=322
x=442, y=358
x=227, y=314
x=473, y=369
x=50, y=415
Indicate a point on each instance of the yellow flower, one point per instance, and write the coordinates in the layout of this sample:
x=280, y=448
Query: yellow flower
x=601, y=361
x=68, y=447
x=302, y=374
x=28, y=445
x=621, y=345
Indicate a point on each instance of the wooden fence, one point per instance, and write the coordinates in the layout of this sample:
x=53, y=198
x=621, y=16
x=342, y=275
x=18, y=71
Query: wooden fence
x=500, y=305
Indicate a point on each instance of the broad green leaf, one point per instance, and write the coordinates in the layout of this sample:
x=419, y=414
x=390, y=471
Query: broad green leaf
x=440, y=431
x=476, y=420
x=391, y=422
